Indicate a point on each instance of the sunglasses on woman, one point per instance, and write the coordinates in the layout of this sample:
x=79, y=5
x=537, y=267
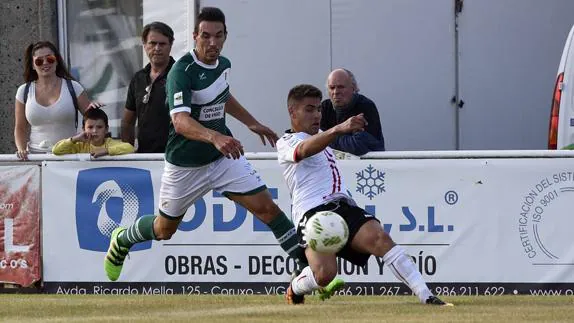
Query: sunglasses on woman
x=50, y=59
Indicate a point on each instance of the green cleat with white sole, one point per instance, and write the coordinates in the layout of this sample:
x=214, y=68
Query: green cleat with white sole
x=115, y=256
x=329, y=290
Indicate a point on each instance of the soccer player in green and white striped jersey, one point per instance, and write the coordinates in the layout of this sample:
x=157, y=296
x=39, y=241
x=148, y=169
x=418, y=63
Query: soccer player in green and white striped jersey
x=201, y=154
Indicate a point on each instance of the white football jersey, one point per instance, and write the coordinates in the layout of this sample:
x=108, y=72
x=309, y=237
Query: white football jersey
x=312, y=181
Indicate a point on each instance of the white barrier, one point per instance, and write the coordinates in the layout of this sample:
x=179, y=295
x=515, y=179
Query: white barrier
x=439, y=154
x=474, y=225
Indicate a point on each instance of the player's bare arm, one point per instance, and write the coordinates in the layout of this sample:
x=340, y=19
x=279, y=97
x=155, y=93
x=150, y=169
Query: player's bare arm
x=188, y=127
x=320, y=141
x=236, y=110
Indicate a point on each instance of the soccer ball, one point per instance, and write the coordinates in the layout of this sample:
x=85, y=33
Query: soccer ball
x=326, y=232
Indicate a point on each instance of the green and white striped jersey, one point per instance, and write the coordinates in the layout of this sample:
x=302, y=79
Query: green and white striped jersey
x=202, y=90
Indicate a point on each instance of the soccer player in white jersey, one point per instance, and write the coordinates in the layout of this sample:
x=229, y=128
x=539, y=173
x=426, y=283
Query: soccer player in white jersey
x=315, y=183
x=201, y=154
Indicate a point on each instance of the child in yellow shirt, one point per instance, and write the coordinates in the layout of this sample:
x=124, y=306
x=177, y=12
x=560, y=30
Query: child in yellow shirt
x=93, y=138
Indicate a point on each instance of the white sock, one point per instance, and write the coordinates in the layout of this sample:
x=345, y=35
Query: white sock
x=406, y=271
x=304, y=283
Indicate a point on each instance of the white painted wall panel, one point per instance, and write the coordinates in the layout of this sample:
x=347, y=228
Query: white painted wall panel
x=509, y=54
x=273, y=45
x=179, y=15
x=402, y=53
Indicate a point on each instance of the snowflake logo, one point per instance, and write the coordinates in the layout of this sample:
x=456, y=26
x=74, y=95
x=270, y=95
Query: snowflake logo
x=370, y=182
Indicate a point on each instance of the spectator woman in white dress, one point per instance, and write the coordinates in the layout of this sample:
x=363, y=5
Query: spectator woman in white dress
x=45, y=108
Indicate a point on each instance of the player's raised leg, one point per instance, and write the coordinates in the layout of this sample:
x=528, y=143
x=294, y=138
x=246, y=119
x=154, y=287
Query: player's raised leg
x=261, y=204
x=372, y=239
x=240, y=182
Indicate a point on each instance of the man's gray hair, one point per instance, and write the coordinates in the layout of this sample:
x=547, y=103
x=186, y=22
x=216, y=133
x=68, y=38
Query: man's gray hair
x=353, y=80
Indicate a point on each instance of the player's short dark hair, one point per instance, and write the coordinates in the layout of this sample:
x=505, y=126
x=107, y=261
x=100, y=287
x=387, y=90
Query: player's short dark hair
x=159, y=27
x=210, y=14
x=95, y=114
x=302, y=91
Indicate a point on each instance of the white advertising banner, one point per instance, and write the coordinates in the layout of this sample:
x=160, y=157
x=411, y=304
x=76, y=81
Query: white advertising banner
x=473, y=226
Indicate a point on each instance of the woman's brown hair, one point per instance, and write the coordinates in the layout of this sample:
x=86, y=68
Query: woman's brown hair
x=29, y=72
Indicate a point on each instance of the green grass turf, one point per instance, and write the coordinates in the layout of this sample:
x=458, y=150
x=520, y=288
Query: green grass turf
x=234, y=309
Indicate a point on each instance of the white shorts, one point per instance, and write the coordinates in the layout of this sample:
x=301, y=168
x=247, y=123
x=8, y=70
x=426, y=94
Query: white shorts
x=182, y=186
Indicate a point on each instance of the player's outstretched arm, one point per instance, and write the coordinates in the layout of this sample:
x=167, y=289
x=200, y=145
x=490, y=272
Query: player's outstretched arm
x=320, y=141
x=236, y=110
x=188, y=127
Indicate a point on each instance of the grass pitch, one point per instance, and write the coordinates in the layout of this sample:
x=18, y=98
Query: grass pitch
x=235, y=309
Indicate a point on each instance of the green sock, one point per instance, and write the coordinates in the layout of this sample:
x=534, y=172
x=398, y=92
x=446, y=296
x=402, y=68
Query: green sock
x=140, y=231
x=285, y=233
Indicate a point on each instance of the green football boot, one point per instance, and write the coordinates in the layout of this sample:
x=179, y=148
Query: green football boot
x=115, y=256
x=329, y=290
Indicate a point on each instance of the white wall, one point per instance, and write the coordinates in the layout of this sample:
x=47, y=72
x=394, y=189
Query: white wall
x=179, y=15
x=509, y=55
x=273, y=45
x=403, y=54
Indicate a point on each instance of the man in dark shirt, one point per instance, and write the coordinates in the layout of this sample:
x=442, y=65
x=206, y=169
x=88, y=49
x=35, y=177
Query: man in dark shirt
x=344, y=102
x=146, y=95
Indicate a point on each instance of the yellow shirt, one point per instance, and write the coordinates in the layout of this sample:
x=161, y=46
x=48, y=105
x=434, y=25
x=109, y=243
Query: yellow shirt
x=114, y=147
